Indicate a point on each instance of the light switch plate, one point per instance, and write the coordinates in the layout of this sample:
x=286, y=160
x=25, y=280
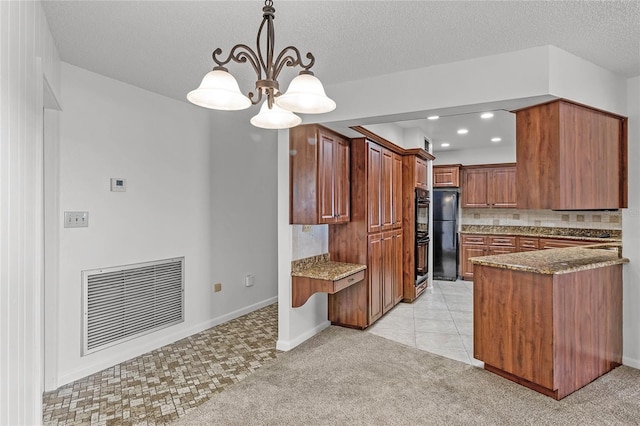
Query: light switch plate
x=76, y=219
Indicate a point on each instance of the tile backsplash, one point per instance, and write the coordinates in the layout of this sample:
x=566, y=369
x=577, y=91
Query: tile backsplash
x=546, y=218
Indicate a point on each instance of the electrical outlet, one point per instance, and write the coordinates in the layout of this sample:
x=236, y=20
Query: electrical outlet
x=306, y=228
x=217, y=287
x=76, y=219
x=249, y=280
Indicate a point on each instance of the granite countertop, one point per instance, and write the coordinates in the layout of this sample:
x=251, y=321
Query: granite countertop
x=603, y=235
x=557, y=261
x=321, y=268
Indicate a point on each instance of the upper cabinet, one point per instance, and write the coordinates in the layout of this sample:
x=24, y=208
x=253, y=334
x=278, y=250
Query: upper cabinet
x=384, y=183
x=570, y=157
x=420, y=173
x=446, y=176
x=319, y=176
x=491, y=185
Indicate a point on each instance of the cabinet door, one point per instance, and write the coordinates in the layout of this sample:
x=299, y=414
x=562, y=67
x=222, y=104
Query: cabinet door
x=421, y=173
x=374, y=162
x=467, y=253
x=396, y=208
x=398, y=249
x=388, y=267
x=386, y=190
x=325, y=178
x=446, y=177
x=501, y=187
x=341, y=181
x=374, y=267
x=474, y=188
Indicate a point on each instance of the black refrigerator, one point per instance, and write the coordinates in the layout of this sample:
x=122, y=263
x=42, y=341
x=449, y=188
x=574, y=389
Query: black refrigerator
x=445, y=237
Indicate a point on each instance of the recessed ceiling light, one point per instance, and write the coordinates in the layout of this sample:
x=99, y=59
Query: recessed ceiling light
x=463, y=131
x=444, y=145
x=486, y=115
x=496, y=139
x=433, y=117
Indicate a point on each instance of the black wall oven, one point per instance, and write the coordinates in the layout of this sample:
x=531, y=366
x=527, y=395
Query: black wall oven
x=422, y=205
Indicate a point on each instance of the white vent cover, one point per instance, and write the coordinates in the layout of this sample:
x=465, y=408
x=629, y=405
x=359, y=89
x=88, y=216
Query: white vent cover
x=125, y=302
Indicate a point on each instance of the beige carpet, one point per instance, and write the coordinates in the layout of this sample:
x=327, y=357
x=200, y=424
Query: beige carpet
x=348, y=377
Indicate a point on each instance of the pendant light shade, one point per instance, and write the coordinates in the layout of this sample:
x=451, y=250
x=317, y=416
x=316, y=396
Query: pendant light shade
x=219, y=90
x=275, y=118
x=306, y=95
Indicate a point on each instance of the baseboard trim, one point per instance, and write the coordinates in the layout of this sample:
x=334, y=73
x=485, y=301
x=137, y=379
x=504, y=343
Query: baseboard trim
x=165, y=337
x=631, y=362
x=287, y=345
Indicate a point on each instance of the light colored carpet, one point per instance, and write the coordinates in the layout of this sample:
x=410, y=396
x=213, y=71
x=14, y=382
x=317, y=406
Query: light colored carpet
x=347, y=377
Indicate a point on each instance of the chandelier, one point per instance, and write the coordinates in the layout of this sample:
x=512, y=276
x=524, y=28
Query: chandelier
x=220, y=90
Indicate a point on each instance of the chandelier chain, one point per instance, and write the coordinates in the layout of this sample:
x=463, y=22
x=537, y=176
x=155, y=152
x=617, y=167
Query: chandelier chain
x=290, y=56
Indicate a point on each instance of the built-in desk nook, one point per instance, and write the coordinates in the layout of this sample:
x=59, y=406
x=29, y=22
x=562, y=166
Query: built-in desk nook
x=319, y=274
x=550, y=320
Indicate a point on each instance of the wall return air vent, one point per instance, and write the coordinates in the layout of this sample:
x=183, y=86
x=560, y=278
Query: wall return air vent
x=125, y=302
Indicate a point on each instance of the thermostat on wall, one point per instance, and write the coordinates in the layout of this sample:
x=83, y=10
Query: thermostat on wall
x=118, y=185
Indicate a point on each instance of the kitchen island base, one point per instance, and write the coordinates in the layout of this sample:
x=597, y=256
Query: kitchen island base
x=553, y=333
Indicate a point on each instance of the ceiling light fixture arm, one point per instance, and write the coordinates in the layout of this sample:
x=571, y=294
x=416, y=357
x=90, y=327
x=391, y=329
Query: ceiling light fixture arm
x=241, y=53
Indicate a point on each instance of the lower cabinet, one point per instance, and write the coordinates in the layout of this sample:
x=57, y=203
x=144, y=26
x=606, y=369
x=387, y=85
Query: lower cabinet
x=473, y=245
x=483, y=245
x=362, y=304
x=385, y=272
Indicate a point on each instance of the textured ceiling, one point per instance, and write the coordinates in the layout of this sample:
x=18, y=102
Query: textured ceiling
x=165, y=46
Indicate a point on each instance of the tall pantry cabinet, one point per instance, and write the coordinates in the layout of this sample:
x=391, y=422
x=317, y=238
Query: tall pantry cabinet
x=372, y=237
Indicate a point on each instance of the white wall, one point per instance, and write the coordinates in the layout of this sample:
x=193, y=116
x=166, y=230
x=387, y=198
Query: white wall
x=389, y=131
x=491, y=155
x=244, y=210
x=514, y=75
x=27, y=56
x=413, y=138
x=570, y=76
x=631, y=234
x=193, y=190
x=295, y=325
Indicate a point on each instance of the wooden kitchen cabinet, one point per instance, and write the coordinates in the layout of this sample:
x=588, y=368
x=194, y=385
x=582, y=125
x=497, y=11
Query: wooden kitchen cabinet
x=414, y=175
x=397, y=251
x=570, y=157
x=373, y=236
x=446, y=176
x=483, y=245
x=319, y=176
x=420, y=173
x=474, y=245
x=467, y=252
x=553, y=333
x=384, y=190
x=385, y=267
x=373, y=177
x=376, y=278
x=489, y=186
x=396, y=192
x=551, y=243
x=528, y=243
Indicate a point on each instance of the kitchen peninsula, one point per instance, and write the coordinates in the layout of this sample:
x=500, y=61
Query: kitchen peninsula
x=550, y=320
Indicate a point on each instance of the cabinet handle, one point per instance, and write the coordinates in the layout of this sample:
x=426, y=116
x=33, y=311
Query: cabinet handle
x=351, y=280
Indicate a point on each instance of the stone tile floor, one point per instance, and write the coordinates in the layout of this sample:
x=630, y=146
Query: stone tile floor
x=162, y=385
x=440, y=321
